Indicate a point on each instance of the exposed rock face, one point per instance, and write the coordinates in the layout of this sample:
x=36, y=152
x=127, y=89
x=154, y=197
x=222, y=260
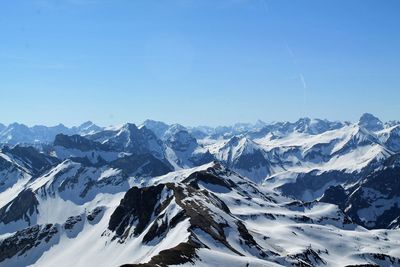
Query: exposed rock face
x=337, y=195
x=183, y=253
x=142, y=165
x=79, y=182
x=374, y=201
x=186, y=216
x=314, y=182
x=181, y=140
x=78, y=142
x=137, y=205
x=393, y=140
x=95, y=215
x=28, y=157
x=157, y=127
x=21, y=208
x=204, y=211
x=370, y=122
x=24, y=240
x=132, y=139
x=5, y=164
x=246, y=157
x=72, y=221
x=182, y=149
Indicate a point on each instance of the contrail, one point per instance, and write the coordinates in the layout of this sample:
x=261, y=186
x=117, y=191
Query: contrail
x=303, y=81
x=265, y=5
x=291, y=53
x=300, y=75
x=293, y=57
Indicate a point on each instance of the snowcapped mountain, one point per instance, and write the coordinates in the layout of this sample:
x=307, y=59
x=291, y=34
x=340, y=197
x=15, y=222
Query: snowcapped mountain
x=18, y=165
x=16, y=133
x=304, y=193
x=244, y=156
x=303, y=125
x=182, y=149
x=83, y=149
x=75, y=182
x=131, y=139
x=374, y=201
x=370, y=122
x=86, y=128
x=157, y=127
x=309, y=164
x=225, y=132
x=204, y=216
x=390, y=137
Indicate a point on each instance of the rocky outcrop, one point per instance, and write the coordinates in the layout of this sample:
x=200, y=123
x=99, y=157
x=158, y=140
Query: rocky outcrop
x=23, y=241
x=20, y=208
x=374, y=201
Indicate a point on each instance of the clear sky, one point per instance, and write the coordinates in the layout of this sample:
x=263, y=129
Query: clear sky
x=198, y=61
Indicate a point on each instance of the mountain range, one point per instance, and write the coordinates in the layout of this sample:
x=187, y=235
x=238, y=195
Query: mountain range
x=306, y=193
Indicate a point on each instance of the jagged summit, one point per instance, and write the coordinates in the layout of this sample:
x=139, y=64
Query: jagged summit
x=159, y=128
x=370, y=122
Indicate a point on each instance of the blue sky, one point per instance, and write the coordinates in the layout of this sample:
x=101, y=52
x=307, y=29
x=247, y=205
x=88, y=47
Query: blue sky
x=198, y=62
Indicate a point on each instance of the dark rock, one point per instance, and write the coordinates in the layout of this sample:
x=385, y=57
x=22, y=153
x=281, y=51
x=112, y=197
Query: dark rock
x=20, y=208
x=35, y=161
x=138, y=205
x=95, y=214
x=24, y=240
x=72, y=221
x=78, y=142
x=142, y=165
x=335, y=195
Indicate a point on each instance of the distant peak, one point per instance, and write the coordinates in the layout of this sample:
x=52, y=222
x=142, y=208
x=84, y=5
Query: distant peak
x=368, y=116
x=240, y=140
x=129, y=125
x=260, y=123
x=86, y=124
x=304, y=120
x=370, y=122
x=177, y=127
x=154, y=122
x=16, y=124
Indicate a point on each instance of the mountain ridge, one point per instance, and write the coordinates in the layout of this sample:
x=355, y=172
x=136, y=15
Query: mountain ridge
x=307, y=193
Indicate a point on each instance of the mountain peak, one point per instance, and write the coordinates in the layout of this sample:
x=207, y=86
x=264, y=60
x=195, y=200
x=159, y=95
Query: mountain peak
x=129, y=127
x=154, y=122
x=370, y=122
x=303, y=120
x=17, y=125
x=86, y=124
x=88, y=127
x=174, y=129
x=157, y=127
